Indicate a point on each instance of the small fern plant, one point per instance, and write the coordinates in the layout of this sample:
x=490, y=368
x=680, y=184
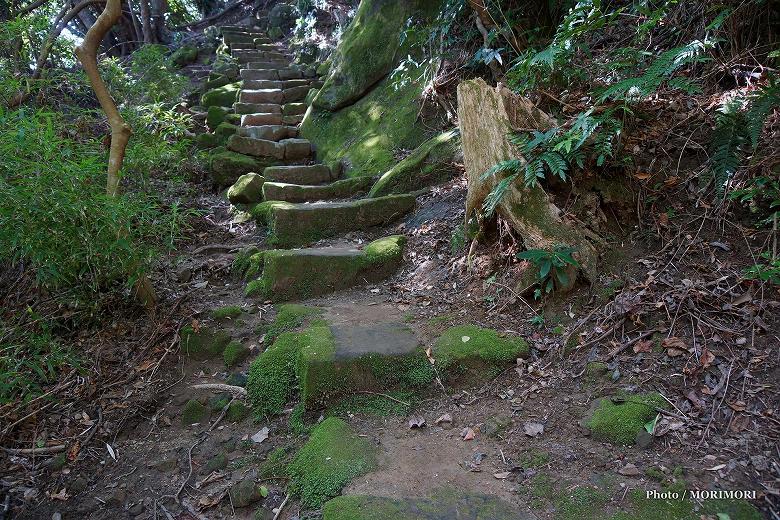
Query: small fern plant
x=552, y=267
x=556, y=151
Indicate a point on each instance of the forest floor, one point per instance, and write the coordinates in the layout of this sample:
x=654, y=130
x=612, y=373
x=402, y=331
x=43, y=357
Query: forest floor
x=670, y=313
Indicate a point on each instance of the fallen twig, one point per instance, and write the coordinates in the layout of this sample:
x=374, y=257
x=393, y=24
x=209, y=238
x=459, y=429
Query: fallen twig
x=281, y=506
x=235, y=390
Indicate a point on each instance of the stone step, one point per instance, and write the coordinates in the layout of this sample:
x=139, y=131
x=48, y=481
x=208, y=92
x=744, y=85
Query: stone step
x=247, y=55
x=264, y=65
x=299, y=174
x=285, y=149
x=240, y=28
x=269, y=47
x=294, y=109
x=274, y=74
x=276, y=83
x=303, y=273
x=257, y=108
x=231, y=38
x=261, y=119
x=295, y=225
x=269, y=132
x=266, y=95
x=242, y=46
x=342, y=189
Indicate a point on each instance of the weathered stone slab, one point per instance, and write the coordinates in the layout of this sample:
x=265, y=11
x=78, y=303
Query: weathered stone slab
x=257, y=108
x=260, y=119
x=268, y=132
x=385, y=339
x=342, y=189
x=303, y=174
x=294, y=225
x=295, y=93
x=290, y=274
x=296, y=148
x=294, y=109
x=290, y=74
x=267, y=95
x=247, y=189
x=252, y=74
x=242, y=46
x=266, y=64
x=293, y=120
x=256, y=147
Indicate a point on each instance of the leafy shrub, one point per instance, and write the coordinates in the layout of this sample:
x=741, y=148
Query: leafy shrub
x=54, y=213
x=552, y=267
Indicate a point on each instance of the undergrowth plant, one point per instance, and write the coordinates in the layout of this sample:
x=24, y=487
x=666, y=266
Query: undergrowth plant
x=552, y=265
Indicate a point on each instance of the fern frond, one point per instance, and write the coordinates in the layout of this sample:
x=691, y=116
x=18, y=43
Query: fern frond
x=727, y=139
x=761, y=105
x=512, y=165
x=555, y=163
x=533, y=170
x=497, y=193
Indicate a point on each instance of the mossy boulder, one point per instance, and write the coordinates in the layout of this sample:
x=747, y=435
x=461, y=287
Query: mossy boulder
x=281, y=19
x=431, y=162
x=223, y=96
x=234, y=354
x=216, y=81
x=245, y=493
x=184, y=55
x=471, y=350
x=619, y=420
x=226, y=166
x=224, y=130
x=247, y=189
x=203, y=343
x=438, y=507
x=237, y=412
x=216, y=115
x=332, y=457
x=215, y=463
x=303, y=273
x=367, y=52
x=206, y=141
x=194, y=412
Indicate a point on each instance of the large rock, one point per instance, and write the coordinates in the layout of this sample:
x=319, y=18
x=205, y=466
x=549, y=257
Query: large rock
x=184, y=55
x=429, y=163
x=281, y=19
x=247, y=189
x=367, y=53
x=227, y=166
x=487, y=115
x=223, y=96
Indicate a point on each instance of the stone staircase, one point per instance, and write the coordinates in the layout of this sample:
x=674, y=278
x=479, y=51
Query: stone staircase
x=301, y=200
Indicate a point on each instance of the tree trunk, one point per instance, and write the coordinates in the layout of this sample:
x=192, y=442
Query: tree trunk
x=146, y=21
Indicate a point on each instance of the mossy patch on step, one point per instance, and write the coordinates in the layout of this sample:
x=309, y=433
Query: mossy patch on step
x=234, y=354
x=247, y=189
x=302, y=273
x=194, y=412
x=468, y=349
x=226, y=166
x=216, y=115
x=228, y=312
x=619, y=420
x=430, y=163
x=444, y=505
x=184, y=55
x=332, y=457
x=223, y=96
x=290, y=317
x=203, y=343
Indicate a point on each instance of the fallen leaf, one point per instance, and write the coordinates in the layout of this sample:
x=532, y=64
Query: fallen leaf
x=532, y=429
x=465, y=339
x=62, y=495
x=211, y=500
x=738, y=406
x=446, y=418
x=501, y=475
x=195, y=326
x=260, y=436
x=146, y=365
x=111, y=451
x=643, y=346
x=429, y=356
x=695, y=399
x=663, y=220
x=674, y=346
x=642, y=176
x=73, y=452
x=467, y=434
x=706, y=358
x=416, y=422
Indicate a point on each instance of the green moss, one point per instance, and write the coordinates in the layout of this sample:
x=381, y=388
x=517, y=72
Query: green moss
x=241, y=262
x=226, y=166
x=595, y=370
x=620, y=422
x=534, y=459
x=580, y=503
x=297, y=422
x=184, y=55
x=228, y=312
x=272, y=375
x=194, y=412
x=224, y=130
x=206, y=141
x=204, y=343
x=331, y=458
x=236, y=412
x=655, y=474
x=263, y=212
x=216, y=463
x=234, y=354
x=275, y=465
x=223, y=96
x=375, y=405
x=468, y=348
x=247, y=189
x=216, y=81
x=290, y=317
x=428, y=164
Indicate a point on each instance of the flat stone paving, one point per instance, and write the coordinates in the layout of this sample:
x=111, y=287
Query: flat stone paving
x=389, y=339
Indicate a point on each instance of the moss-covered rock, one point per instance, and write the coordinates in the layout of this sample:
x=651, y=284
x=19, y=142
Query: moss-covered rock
x=291, y=317
x=236, y=412
x=247, y=189
x=194, y=412
x=223, y=96
x=184, y=55
x=215, y=463
x=431, y=162
x=473, y=350
x=333, y=456
x=619, y=421
x=224, y=130
x=293, y=225
x=367, y=52
x=216, y=115
x=226, y=166
x=206, y=141
x=245, y=493
x=216, y=81
x=234, y=354
x=228, y=312
x=203, y=343
x=302, y=273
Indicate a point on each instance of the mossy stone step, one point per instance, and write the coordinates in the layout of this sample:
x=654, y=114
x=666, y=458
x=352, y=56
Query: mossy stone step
x=261, y=119
x=342, y=189
x=444, y=505
x=274, y=74
x=266, y=95
x=302, y=273
x=269, y=132
x=271, y=83
x=257, y=108
x=232, y=38
x=285, y=149
x=293, y=94
x=294, y=109
x=293, y=225
x=300, y=174
x=242, y=46
x=264, y=64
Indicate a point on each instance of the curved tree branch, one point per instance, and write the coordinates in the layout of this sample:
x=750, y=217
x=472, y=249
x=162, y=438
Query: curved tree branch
x=30, y=8
x=227, y=9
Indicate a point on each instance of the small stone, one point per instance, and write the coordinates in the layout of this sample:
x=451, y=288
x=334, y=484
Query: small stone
x=629, y=470
x=644, y=439
x=136, y=509
x=118, y=497
x=77, y=485
x=245, y=493
x=194, y=412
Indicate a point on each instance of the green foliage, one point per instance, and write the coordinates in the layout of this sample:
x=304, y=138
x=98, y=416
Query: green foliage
x=55, y=216
x=620, y=420
x=30, y=359
x=552, y=266
x=768, y=271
